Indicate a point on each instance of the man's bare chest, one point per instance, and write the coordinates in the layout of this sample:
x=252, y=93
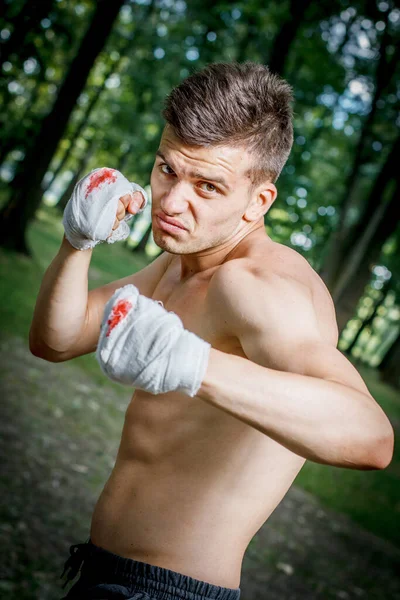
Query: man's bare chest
x=190, y=301
x=165, y=427
x=186, y=436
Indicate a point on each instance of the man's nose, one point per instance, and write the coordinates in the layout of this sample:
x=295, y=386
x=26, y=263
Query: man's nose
x=174, y=200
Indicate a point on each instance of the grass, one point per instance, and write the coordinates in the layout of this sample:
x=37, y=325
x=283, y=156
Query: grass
x=370, y=498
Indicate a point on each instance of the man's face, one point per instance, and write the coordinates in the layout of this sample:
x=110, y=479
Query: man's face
x=203, y=189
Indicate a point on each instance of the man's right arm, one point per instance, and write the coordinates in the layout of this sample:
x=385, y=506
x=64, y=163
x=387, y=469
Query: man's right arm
x=67, y=317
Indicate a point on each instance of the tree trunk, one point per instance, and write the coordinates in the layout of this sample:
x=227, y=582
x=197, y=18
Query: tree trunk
x=370, y=220
x=27, y=192
x=355, y=233
x=282, y=42
x=337, y=242
x=113, y=68
x=357, y=270
x=61, y=204
x=368, y=320
x=6, y=148
x=83, y=122
x=389, y=366
x=286, y=35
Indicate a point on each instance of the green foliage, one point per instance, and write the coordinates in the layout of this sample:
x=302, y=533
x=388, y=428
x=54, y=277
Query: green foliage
x=342, y=63
x=32, y=74
x=375, y=325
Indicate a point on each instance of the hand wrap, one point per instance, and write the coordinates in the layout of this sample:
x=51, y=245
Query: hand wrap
x=92, y=209
x=143, y=345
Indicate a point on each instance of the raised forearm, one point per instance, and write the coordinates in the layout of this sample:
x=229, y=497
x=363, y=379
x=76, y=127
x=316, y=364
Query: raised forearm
x=323, y=421
x=61, y=305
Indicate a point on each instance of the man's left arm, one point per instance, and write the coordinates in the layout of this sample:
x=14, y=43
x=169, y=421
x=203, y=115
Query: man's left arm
x=313, y=401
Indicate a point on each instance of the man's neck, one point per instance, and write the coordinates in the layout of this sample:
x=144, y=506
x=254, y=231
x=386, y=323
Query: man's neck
x=193, y=264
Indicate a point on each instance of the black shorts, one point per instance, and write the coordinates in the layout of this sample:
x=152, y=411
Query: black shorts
x=105, y=575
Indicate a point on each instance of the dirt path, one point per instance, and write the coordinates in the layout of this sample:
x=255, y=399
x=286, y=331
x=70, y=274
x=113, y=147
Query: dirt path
x=59, y=434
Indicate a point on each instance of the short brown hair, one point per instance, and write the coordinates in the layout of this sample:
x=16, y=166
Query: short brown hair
x=236, y=103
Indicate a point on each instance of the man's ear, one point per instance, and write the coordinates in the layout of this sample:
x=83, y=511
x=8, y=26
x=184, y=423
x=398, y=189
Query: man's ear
x=262, y=199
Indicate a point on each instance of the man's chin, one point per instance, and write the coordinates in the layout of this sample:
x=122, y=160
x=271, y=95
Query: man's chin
x=167, y=244
x=173, y=247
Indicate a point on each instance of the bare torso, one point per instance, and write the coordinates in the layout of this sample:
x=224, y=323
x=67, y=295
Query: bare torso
x=192, y=485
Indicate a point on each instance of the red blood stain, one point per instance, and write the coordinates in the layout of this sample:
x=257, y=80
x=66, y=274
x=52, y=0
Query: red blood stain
x=103, y=176
x=119, y=312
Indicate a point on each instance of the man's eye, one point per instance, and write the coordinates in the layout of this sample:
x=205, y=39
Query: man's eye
x=210, y=185
x=167, y=166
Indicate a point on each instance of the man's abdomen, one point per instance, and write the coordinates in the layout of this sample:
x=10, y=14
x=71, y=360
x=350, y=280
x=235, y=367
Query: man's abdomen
x=190, y=488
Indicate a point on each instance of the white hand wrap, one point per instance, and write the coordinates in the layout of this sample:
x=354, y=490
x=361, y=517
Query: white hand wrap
x=92, y=209
x=143, y=345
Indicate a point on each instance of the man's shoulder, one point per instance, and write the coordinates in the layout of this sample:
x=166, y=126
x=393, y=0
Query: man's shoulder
x=267, y=266
x=281, y=288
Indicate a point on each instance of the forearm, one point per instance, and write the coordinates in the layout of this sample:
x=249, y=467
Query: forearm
x=323, y=421
x=61, y=305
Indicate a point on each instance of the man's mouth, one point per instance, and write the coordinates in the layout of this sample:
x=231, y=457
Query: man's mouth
x=169, y=224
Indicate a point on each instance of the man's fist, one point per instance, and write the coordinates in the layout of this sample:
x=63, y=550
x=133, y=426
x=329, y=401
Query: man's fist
x=92, y=214
x=143, y=345
x=128, y=204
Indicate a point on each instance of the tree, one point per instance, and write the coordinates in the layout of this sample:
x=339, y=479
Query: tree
x=143, y=242
x=24, y=24
x=286, y=35
x=27, y=192
x=35, y=66
x=90, y=150
x=368, y=321
x=357, y=269
x=389, y=366
x=104, y=104
x=344, y=235
x=82, y=124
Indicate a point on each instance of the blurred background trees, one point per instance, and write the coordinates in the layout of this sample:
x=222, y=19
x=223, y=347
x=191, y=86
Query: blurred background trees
x=83, y=82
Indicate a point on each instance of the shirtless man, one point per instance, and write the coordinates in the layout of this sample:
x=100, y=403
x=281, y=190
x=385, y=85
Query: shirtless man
x=194, y=480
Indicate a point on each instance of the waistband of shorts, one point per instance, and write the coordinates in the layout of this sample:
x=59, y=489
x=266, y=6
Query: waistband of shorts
x=164, y=583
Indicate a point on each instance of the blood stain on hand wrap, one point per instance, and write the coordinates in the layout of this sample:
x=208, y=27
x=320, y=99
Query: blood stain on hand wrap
x=119, y=312
x=102, y=176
